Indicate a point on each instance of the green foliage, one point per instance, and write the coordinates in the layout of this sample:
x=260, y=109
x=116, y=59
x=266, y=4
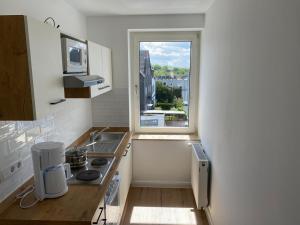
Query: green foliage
x=168, y=98
x=177, y=92
x=179, y=104
x=156, y=67
x=170, y=118
x=167, y=94
x=163, y=93
x=160, y=71
x=165, y=105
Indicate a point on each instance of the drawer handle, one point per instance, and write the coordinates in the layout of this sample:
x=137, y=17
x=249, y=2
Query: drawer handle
x=97, y=221
x=57, y=102
x=126, y=151
x=128, y=145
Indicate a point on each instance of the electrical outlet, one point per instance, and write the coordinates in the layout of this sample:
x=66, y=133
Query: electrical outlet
x=10, y=170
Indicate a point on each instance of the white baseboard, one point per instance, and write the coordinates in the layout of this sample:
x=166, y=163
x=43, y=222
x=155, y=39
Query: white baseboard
x=208, y=216
x=160, y=184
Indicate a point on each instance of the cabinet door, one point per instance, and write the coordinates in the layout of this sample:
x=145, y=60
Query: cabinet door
x=95, y=59
x=125, y=171
x=45, y=66
x=100, y=64
x=15, y=85
x=107, y=67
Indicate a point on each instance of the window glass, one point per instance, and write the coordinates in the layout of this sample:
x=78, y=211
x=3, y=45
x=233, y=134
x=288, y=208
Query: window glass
x=164, y=83
x=75, y=55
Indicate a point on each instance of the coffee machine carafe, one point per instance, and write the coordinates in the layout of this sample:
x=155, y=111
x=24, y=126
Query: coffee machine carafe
x=50, y=170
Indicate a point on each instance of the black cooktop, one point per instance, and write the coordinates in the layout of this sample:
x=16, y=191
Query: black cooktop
x=93, y=173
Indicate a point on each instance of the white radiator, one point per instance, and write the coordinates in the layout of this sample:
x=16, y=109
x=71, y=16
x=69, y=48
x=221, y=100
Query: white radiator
x=199, y=175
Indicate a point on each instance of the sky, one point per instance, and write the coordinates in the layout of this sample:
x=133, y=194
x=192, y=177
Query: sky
x=175, y=54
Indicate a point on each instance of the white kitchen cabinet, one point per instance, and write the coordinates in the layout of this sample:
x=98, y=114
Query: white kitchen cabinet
x=30, y=70
x=46, y=66
x=125, y=172
x=100, y=64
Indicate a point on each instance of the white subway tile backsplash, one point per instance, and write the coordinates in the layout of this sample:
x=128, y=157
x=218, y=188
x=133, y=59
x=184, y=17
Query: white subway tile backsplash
x=4, y=149
x=10, y=185
x=7, y=130
x=47, y=125
x=40, y=139
x=7, y=160
x=46, y=129
x=17, y=137
x=27, y=170
x=6, y=187
x=17, y=142
x=111, y=109
x=33, y=133
x=25, y=151
x=24, y=125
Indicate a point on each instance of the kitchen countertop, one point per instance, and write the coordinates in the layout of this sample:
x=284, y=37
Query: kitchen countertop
x=77, y=206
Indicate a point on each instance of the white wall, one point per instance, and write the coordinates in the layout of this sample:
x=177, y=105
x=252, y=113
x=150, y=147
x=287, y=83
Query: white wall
x=250, y=126
x=155, y=163
x=66, y=125
x=161, y=163
x=112, y=108
x=70, y=19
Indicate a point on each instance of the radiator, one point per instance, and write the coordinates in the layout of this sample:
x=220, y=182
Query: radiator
x=199, y=175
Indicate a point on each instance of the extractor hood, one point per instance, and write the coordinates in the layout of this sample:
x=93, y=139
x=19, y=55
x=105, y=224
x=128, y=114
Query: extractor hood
x=81, y=81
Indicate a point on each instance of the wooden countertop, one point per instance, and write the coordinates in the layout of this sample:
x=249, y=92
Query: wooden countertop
x=76, y=207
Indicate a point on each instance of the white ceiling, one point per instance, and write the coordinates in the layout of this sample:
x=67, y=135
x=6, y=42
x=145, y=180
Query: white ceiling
x=139, y=7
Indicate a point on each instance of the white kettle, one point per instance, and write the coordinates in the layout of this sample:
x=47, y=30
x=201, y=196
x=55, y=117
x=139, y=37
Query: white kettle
x=50, y=170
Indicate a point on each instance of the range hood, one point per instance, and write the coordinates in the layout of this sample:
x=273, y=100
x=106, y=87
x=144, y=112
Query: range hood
x=81, y=81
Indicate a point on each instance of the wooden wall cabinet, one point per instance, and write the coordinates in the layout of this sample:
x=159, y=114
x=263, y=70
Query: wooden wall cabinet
x=30, y=68
x=99, y=63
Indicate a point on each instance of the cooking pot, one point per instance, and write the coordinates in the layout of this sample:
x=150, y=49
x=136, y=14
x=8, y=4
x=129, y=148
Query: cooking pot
x=76, y=157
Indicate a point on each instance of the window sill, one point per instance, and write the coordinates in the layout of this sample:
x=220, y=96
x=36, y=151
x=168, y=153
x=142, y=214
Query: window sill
x=166, y=137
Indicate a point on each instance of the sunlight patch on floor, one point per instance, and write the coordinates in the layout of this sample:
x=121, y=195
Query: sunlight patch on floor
x=162, y=215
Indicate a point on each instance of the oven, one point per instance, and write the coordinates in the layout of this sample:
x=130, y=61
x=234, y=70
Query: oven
x=112, y=201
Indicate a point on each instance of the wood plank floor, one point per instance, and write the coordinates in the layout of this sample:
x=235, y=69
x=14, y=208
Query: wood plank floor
x=162, y=206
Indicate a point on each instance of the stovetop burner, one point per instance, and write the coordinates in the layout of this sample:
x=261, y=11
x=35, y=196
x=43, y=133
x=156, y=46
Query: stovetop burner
x=99, y=162
x=94, y=172
x=88, y=175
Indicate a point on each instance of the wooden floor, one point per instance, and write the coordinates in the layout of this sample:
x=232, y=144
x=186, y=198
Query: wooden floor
x=162, y=206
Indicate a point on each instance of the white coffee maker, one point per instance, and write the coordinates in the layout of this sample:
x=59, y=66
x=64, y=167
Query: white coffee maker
x=50, y=170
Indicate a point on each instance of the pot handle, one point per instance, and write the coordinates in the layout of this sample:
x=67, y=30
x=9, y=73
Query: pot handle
x=68, y=170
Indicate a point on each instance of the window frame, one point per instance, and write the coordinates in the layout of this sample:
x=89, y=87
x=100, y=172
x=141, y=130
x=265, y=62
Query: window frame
x=134, y=39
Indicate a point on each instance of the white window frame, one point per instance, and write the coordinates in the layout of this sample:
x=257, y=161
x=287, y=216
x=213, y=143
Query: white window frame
x=134, y=38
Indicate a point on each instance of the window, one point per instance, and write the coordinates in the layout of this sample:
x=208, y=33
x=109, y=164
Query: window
x=164, y=77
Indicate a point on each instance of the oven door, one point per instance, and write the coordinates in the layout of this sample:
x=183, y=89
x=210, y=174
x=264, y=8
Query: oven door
x=112, y=202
